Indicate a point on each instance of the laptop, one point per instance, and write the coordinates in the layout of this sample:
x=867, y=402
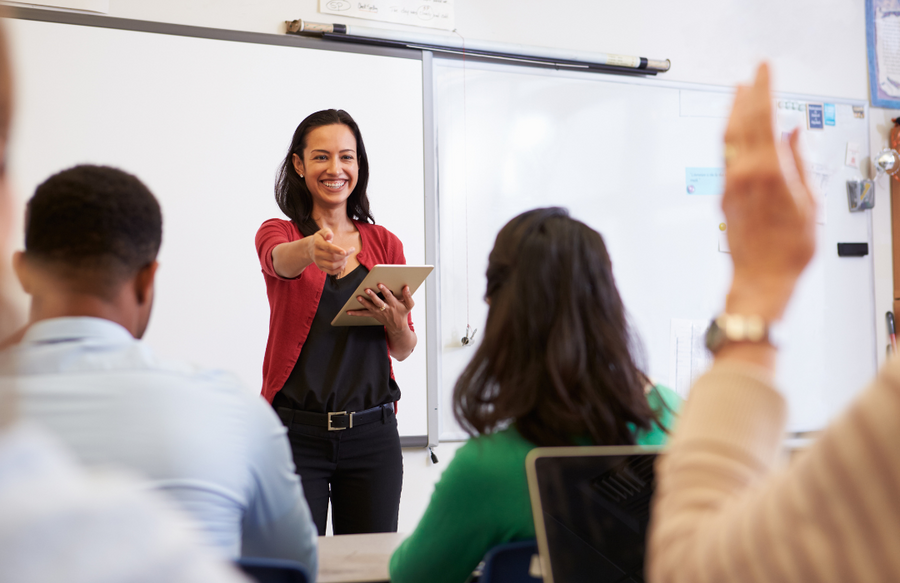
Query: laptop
x=591, y=509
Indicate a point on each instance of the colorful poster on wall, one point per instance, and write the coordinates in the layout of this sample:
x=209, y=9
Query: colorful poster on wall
x=883, y=44
x=428, y=13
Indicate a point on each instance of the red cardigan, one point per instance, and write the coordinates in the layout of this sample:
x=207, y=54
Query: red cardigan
x=293, y=302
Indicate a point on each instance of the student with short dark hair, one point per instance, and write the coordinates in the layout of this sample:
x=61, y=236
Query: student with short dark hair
x=93, y=227
x=554, y=368
x=92, y=234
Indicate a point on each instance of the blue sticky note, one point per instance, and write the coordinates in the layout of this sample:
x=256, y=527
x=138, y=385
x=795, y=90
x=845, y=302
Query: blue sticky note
x=829, y=114
x=705, y=180
x=814, y=116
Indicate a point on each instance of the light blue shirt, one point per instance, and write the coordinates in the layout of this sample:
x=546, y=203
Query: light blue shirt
x=62, y=523
x=220, y=451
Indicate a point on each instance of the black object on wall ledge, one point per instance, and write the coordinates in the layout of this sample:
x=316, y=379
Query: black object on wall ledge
x=853, y=249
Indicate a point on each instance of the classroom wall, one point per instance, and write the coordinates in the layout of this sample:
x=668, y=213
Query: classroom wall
x=815, y=47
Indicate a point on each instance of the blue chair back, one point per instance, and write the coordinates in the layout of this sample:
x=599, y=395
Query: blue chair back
x=509, y=563
x=273, y=570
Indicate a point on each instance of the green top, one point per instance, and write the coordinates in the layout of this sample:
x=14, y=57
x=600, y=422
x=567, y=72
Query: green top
x=482, y=501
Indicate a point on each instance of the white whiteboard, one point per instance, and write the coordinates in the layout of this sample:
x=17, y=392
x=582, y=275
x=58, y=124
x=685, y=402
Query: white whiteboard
x=615, y=151
x=205, y=123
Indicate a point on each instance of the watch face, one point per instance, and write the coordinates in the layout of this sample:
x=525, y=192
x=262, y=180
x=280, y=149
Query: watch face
x=735, y=328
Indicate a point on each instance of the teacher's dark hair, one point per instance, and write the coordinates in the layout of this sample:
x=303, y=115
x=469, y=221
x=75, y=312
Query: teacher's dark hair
x=291, y=193
x=554, y=357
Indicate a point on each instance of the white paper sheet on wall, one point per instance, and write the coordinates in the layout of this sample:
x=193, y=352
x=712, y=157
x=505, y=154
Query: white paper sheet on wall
x=689, y=356
x=819, y=176
x=428, y=13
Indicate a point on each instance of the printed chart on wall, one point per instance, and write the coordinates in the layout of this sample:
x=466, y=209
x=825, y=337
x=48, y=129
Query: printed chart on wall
x=641, y=162
x=883, y=47
x=427, y=13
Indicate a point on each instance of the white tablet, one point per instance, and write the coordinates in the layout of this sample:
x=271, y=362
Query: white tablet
x=394, y=277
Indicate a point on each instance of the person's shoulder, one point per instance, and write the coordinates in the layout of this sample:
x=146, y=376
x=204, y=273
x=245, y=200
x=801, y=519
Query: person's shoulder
x=214, y=381
x=276, y=222
x=105, y=349
x=278, y=228
x=492, y=465
x=495, y=451
x=666, y=403
x=221, y=394
x=386, y=246
x=183, y=381
x=114, y=356
x=378, y=232
x=662, y=397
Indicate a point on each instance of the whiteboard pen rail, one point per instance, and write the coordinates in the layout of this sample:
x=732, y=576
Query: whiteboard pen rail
x=503, y=57
x=469, y=45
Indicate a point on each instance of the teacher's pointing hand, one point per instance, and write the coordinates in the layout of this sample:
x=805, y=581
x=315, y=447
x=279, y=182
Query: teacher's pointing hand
x=326, y=255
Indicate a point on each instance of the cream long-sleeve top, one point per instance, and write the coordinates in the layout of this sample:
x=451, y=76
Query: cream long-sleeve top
x=724, y=513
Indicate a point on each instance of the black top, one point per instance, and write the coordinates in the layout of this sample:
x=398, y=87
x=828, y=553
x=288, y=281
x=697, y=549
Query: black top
x=340, y=368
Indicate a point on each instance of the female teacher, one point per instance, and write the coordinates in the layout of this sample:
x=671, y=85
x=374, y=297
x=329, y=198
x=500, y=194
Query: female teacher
x=334, y=387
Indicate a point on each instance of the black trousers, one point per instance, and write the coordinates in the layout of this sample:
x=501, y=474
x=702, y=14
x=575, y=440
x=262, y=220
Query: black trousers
x=359, y=469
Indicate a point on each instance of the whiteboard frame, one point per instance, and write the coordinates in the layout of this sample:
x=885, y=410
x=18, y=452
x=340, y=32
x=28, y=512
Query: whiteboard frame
x=432, y=253
x=431, y=239
x=287, y=40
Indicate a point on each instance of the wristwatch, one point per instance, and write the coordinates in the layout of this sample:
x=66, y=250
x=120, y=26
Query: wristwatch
x=728, y=328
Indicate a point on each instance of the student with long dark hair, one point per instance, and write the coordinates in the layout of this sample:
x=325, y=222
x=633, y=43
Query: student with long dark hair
x=333, y=387
x=554, y=368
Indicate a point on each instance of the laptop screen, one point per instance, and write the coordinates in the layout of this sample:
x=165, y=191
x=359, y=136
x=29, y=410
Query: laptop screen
x=591, y=511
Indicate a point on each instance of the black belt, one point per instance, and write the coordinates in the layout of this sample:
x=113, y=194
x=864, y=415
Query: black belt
x=335, y=420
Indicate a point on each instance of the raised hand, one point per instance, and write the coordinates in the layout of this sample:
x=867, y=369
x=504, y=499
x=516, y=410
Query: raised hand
x=768, y=207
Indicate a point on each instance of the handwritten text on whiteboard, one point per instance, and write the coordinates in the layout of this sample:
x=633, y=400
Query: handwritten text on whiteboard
x=429, y=13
